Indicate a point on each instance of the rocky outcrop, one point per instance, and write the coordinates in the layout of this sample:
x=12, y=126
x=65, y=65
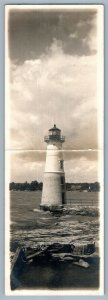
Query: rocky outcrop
x=55, y=253
x=58, y=248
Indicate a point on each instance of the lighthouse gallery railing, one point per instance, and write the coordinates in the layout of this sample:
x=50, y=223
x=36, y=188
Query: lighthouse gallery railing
x=54, y=138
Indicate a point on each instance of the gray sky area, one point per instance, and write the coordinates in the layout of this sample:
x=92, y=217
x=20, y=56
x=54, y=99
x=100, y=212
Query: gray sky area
x=53, y=79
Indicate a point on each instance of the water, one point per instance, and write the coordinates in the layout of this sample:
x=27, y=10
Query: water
x=77, y=224
x=60, y=276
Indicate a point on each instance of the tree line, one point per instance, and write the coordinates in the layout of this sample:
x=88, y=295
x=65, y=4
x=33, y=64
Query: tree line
x=37, y=186
x=26, y=186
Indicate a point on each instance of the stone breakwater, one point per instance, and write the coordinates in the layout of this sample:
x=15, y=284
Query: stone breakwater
x=50, y=254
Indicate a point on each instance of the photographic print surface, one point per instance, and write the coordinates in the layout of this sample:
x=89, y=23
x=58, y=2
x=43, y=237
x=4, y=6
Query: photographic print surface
x=54, y=149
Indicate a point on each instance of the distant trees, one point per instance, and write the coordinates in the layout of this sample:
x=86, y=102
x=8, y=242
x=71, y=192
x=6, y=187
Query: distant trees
x=37, y=186
x=26, y=186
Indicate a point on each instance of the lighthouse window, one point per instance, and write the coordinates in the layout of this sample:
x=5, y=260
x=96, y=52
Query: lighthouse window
x=61, y=164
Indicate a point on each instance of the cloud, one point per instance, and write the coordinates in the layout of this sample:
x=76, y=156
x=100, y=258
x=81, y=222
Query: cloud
x=31, y=32
x=81, y=170
x=23, y=169
x=28, y=156
x=59, y=88
x=53, y=79
x=80, y=166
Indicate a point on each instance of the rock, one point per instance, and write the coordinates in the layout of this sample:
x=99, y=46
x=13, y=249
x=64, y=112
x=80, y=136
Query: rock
x=32, y=253
x=62, y=257
x=60, y=248
x=89, y=248
x=82, y=263
x=53, y=252
x=86, y=249
x=57, y=248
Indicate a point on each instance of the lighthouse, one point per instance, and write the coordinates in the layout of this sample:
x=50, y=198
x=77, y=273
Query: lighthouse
x=54, y=192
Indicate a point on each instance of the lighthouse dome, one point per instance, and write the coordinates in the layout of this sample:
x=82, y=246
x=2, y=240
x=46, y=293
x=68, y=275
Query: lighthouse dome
x=54, y=135
x=54, y=130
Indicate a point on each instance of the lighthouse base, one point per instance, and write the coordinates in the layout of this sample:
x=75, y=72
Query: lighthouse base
x=51, y=208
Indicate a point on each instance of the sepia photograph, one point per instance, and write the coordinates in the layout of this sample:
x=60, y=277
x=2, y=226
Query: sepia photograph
x=54, y=203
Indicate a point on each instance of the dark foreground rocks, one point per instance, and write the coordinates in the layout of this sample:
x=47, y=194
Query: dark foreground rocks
x=53, y=254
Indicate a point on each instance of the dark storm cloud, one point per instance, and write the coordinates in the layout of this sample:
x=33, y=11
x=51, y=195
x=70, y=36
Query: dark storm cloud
x=31, y=33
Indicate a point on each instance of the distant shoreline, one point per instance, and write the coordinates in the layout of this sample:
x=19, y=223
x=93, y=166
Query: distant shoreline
x=37, y=186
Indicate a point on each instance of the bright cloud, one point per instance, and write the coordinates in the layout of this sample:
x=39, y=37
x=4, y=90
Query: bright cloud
x=57, y=88
x=79, y=167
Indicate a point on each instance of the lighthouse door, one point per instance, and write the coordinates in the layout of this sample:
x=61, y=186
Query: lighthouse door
x=63, y=198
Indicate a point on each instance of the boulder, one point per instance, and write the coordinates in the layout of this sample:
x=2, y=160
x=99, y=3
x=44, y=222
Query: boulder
x=60, y=248
x=81, y=263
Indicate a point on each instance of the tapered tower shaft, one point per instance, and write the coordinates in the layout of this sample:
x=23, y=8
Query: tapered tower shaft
x=54, y=194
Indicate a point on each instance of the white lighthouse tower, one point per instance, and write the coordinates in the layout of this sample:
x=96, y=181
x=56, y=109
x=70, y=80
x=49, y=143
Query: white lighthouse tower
x=54, y=193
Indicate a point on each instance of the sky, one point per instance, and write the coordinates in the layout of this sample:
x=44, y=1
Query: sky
x=53, y=69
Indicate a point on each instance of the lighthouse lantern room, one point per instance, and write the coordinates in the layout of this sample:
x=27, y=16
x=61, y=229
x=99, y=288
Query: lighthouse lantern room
x=54, y=192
